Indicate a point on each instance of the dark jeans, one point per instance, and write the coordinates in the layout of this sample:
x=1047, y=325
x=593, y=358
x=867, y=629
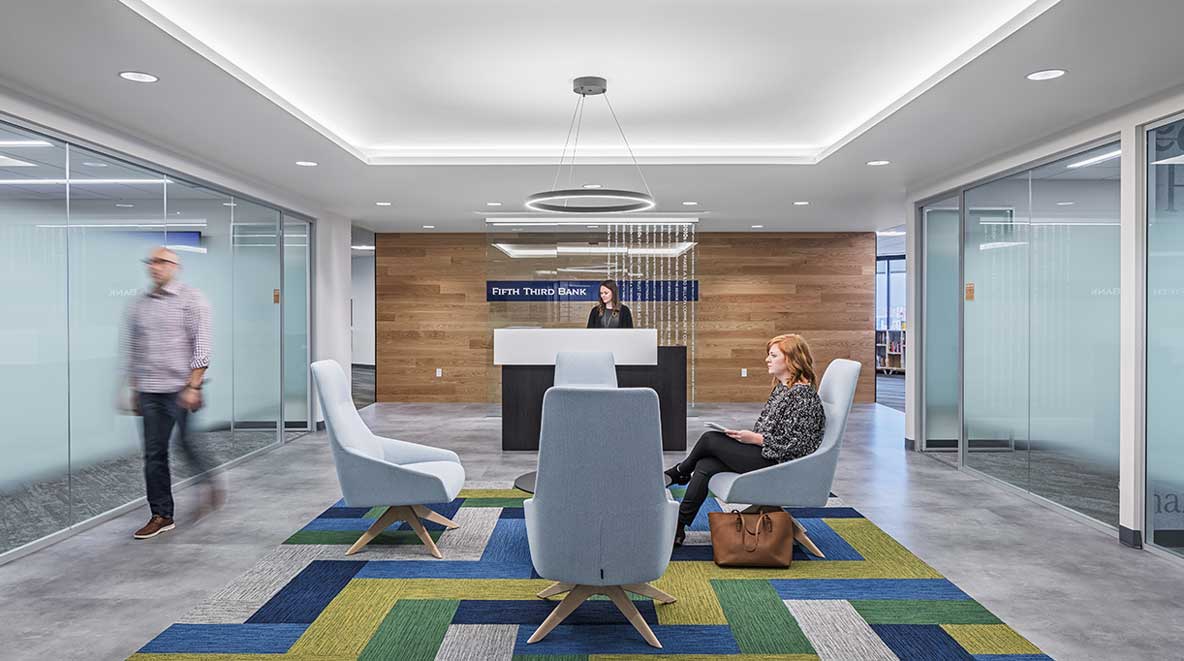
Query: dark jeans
x=714, y=452
x=162, y=412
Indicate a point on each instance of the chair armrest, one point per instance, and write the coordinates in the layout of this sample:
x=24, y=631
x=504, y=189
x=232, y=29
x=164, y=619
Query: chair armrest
x=403, y=452
x=802, y=482
x=368, y=482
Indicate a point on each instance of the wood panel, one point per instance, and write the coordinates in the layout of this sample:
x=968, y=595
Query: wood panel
x=431, y=311
x=754, y=286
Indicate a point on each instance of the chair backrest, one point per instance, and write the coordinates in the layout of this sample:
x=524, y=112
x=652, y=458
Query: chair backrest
x=590, y=459
x=599, y=496
x=837, y=391
x=585, y=368
x=345, y=426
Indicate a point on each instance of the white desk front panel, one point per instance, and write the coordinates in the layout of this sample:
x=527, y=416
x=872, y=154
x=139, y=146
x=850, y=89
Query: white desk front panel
x=538, y=346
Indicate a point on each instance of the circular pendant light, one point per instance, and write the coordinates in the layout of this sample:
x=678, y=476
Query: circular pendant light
x=585, y=200
x=557, y=201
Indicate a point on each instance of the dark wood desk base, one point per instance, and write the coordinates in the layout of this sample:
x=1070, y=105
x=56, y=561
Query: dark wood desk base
x=523, y=387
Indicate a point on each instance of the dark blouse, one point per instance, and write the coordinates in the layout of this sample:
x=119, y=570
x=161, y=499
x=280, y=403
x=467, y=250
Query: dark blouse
x=792, y=423
x=623, y=319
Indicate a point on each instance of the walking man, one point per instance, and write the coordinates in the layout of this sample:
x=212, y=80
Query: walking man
x=167, y=346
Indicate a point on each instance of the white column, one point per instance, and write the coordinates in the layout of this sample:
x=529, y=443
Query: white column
x=1132, y=336
x=331, y=291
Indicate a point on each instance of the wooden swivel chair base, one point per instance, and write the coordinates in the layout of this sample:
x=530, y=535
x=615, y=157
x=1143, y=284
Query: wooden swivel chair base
x=799, y=532
x=412, y=515
x=578, y=594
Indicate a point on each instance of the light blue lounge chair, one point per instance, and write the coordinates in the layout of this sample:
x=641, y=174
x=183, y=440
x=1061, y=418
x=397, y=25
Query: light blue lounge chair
x=601, y=520
x=382, y=472
x=803, y=482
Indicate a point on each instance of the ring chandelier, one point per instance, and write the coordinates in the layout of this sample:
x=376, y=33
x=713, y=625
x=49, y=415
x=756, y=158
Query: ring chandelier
x=559, y=200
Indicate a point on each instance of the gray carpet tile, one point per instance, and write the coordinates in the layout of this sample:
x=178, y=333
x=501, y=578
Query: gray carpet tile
x=837, y=631
x=478, y=642
x=890, y=390
x=363, y=385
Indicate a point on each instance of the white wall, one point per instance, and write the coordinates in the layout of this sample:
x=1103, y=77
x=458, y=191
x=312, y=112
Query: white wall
x=331, y=292
x=1126, y=124
x=363, y=310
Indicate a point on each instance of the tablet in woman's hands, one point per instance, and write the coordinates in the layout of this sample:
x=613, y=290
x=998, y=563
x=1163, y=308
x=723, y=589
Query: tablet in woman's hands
x=716, y=426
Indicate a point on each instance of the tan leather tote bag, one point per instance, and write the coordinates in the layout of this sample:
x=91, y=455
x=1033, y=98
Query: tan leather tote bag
x=759, y=539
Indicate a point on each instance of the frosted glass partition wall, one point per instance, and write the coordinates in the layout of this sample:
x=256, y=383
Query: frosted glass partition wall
x=297, y=269
x=1165, y=336
x=939, y=222
x=74, y=227
x=1040, y=320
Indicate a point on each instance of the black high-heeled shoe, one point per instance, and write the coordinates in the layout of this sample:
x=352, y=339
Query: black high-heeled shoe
x=677, y=477
x=680, y=535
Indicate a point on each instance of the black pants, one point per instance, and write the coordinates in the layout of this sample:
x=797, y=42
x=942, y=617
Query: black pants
x=714, y=452
x=162, y=412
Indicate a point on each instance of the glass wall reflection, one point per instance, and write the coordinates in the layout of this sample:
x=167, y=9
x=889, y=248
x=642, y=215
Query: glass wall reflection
x=74, y=227
x=1165, y=327
x=941, y=240
x=34, y=344
x=1041, y=332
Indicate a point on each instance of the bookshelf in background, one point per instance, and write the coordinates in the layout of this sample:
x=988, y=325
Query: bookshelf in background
x=890, y=350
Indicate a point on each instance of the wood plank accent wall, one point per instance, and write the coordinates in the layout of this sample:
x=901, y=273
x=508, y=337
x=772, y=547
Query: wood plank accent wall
x=431, y=311
x=755, y=285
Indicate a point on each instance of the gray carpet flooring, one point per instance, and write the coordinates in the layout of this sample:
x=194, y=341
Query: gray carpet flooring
x=363, y=385
x=890, y=390
x=40, y=508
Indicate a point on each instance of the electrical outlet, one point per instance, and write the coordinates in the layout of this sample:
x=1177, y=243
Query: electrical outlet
x=439, y=372
x=744, y=371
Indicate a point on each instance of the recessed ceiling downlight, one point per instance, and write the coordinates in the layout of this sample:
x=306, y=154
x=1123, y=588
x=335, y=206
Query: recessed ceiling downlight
x=876, y=164
x=307, y=164
x=138, y=76
x=1046, y=74
x=801, y=203
x=382, y=204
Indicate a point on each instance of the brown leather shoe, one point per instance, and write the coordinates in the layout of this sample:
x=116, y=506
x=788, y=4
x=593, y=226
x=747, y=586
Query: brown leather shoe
x=156, y=525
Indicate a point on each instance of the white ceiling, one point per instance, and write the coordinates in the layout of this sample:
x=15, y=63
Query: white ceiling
x=754, y=79
x=483, y=81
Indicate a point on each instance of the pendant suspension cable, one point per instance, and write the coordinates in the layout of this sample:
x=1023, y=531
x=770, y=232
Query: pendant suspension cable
x=575, y=145
x=570, y=127
x=626, y=141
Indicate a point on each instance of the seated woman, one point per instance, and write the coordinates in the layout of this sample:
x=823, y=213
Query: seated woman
x=790, y=426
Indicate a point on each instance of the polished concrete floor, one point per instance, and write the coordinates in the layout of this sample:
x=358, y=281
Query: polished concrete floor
x=1069, y=588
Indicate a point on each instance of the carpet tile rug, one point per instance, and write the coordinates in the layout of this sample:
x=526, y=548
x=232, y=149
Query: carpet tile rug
x=870, y=599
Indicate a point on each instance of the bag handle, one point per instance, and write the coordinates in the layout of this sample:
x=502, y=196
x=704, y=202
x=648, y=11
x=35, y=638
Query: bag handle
x=764, y=521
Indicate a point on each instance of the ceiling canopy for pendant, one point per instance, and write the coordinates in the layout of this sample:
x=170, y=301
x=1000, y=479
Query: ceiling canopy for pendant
x=585, y=200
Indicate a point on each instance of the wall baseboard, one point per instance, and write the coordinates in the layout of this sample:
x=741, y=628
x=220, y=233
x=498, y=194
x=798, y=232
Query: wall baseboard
x=1131, y=538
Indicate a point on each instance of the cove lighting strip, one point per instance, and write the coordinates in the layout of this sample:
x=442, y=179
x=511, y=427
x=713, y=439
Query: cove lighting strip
x=599, y=220
x=520, y=251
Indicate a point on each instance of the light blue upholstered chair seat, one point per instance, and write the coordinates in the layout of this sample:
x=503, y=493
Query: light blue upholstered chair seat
x=381, y=472
x=601, y=520
x=804, y=482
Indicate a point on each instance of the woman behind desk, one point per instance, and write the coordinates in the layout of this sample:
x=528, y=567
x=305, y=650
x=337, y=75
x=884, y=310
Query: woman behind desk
x=610, y=312
x=790, y=426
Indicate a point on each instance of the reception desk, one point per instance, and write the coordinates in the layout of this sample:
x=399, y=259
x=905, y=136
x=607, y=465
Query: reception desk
x=527, y=359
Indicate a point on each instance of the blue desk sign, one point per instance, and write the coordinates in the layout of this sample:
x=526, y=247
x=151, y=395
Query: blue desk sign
x=670, y=291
